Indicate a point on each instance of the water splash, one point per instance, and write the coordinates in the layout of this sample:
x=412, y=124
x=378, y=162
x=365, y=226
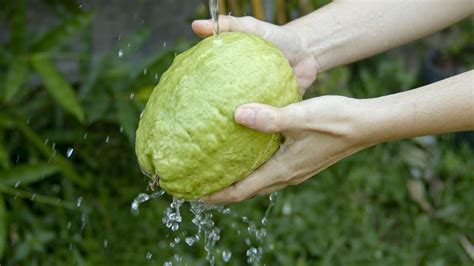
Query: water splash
x=143, y=197
x=172, y=216
x=207, y=229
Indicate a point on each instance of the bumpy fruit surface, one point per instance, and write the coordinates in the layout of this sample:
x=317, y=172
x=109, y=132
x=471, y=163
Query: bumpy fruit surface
x=187, y=135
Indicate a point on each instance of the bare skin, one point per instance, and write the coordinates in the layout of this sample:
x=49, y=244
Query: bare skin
x=342, y=32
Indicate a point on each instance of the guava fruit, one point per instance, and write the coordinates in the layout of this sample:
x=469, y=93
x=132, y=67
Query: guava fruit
x=187, y=135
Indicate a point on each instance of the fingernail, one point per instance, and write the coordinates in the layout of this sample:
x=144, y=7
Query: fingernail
x=245, y=116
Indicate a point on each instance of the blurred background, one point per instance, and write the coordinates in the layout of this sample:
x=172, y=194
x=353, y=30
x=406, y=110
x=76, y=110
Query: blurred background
x=74, y=77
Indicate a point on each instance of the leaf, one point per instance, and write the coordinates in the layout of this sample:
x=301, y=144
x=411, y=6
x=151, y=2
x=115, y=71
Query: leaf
x=61, y=33
x=27, y=173
x=16, y=76
x=4, y=157
x=127, y=116
x=3, y=226
x=17, y=27
x=65, y=166
x=6, y=121
x=18, y=193
x=110, y=62
x=57, y=86
x=64, y=7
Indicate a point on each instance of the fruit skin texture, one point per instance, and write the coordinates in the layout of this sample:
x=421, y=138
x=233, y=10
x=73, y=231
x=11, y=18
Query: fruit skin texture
x=187, y=135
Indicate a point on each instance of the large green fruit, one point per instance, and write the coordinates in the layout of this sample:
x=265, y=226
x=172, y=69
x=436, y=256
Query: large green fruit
x=187, y=135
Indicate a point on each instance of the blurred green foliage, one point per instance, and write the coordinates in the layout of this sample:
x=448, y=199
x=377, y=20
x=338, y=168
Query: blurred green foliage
x=68, y=172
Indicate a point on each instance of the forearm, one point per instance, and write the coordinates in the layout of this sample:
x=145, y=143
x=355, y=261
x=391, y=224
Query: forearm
x=346, y=31
x=441, y=107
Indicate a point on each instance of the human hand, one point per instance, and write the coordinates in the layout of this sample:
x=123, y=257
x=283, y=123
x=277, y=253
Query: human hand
x=318, y=133
x=289, y=41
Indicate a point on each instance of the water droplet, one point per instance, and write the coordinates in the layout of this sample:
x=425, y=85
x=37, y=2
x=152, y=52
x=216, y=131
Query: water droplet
x=78, y=202
x=286, y=208
x=177, y=257
x=69, y=152
x=156, y=76
x=189, y=241
x=28, y=120
x=145, y=71
x=85, y=136
x=107, y=139
x=119, y=37
x=164, y=44
x=254, y=255
x=83, y=221
x=106, y=243
x=17, y=184
x=168, y=263
x=120, y=53
x=33, y=196
x=148, y=255
x=132, y=95
x=129, y=45
x=68, y=226
x=46, y=141
x=80, y=6
x=226, y=255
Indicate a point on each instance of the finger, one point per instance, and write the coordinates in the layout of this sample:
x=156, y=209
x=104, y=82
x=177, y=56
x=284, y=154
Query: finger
x=281, y=185
x=270, y=119
x=269, y=173
x=204, y=28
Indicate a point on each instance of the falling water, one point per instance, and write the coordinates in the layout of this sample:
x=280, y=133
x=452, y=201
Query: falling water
x=214, y=10
x=207, y=229
x=143, y=197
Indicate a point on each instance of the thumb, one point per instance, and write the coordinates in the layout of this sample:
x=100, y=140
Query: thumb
x=204, y=28
x=269, y=119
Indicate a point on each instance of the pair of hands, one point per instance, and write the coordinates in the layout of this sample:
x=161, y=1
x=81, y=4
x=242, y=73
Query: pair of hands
x=317, y=132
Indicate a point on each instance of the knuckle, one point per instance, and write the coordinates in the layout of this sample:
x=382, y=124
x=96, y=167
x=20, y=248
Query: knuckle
x=248, y=19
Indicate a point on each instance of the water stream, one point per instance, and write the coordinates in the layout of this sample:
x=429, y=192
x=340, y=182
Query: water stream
x=207, y=229
x=214, y=10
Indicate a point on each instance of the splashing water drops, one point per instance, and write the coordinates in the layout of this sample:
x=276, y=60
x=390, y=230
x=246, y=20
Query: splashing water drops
x=148, y=255
x=69, y=152
x=226, y=255
x=78, y=202
x=172, y=216
x=206, y=227
x=143, y=197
